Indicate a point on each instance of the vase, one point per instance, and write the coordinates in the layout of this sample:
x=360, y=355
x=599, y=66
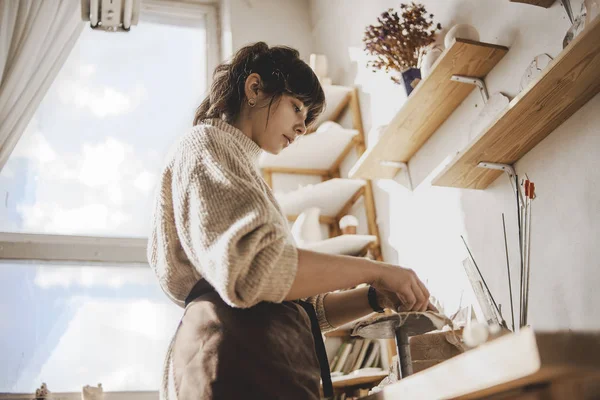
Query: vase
x=408, y=77
x=432, y=54
x=307, y=228
x=460, y=31
x=592, y=10
x=589, y=10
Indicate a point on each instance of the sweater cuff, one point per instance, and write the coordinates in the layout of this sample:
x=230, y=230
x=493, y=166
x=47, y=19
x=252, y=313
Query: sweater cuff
x=322, y=315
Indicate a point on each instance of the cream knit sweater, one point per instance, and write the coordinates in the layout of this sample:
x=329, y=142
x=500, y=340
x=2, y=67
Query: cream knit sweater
x=215, y=218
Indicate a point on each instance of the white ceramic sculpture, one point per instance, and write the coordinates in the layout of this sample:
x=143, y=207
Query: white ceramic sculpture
x=433, y=53
x=348, y=224
x=328, y=125
x=92, y=392
x=306, y=228
x=318, y=63
x=461, y=31
x=534, y=69
x=592, y=8
x=495, y=105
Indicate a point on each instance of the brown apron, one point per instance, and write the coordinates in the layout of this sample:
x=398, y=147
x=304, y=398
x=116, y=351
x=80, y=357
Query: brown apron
x=268, y=351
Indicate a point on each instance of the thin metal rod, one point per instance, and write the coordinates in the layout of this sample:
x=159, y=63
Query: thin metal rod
x=527, y=256
x=512, y=311
x=481, y=276
x=521, y=255
x=567, y=5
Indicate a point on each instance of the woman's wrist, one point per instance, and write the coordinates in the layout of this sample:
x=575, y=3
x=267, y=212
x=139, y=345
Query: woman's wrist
x=373, y=271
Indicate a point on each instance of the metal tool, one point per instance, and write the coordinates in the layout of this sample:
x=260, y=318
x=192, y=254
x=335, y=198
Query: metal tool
x=503, y=322
x=567, y=5
x=401, y=326
x=512, y=311
x=529, y=196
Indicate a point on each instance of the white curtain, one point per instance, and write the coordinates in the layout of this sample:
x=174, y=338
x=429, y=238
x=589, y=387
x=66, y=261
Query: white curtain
x=36, y=37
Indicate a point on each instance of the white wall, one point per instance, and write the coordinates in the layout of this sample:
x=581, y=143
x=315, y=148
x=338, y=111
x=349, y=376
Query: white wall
x=421, y=229
x=276, y=22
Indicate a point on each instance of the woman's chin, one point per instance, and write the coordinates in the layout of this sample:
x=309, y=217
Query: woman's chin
x=274, y=151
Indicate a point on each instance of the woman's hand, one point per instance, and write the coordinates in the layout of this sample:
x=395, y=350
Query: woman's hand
x=400, y=289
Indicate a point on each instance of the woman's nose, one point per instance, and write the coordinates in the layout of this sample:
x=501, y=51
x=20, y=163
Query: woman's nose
x=300, y=130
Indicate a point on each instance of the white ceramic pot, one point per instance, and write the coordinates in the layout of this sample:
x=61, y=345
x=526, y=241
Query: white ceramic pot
x=307, y=229
x=348, y=224
x=592, y=10
x=461, y=31
x=429, y=59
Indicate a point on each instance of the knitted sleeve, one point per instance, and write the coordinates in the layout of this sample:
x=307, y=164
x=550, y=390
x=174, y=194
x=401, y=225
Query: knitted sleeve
x=317, y=302
x=228, y=228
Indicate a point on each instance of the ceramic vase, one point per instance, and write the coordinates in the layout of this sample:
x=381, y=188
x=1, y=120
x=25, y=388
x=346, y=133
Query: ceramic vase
x=348, y=224
x=460, y=31
x=408, y=77
x=307, y=229
x=430, y=57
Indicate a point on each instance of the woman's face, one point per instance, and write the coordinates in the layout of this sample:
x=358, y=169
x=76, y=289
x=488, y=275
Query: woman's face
x=276, y=129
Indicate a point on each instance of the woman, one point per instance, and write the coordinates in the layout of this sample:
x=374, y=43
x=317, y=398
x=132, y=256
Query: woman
x=221, y=246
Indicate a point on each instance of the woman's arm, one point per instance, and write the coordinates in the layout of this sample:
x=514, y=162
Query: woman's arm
x=321, y=273
x=347, y=306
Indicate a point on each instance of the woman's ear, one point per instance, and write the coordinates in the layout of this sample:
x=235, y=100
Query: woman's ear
x=252, y=86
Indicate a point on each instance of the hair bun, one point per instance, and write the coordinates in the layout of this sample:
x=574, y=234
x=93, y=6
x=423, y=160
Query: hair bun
x=259, y=49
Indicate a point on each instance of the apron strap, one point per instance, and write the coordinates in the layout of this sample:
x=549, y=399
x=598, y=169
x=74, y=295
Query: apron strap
x=319, y=347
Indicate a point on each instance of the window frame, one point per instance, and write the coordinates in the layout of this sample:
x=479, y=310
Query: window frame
x=100, y=250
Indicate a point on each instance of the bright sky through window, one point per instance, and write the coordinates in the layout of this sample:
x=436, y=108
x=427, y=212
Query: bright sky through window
x=88, y=164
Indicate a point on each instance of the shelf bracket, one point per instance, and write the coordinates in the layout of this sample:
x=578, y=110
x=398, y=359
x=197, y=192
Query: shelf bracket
x=400, y=165
x=473, y=81
x=510, y=171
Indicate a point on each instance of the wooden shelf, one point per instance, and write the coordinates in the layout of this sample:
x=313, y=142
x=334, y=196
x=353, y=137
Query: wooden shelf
x=317, y=151
x=509, y=362
x=539, y=3
x=349, y=245
x=566, y=85
x=428, y=106
x=331, y=197
x=358, y=379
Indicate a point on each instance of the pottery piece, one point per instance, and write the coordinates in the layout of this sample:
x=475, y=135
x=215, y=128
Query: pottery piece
x=307, y=229
x=535, y=69
x=429, y=59
x=461, y=31
x=348, y=224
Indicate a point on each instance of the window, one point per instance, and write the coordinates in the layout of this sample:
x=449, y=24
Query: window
x=73, y=325
x=78, y=303
x=91, y=156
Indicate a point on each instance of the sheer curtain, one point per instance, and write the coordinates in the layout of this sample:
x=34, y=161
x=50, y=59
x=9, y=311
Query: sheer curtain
x=36, y=36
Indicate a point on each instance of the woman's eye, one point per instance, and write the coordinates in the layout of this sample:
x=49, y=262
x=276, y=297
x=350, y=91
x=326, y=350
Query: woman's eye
x=296, y=108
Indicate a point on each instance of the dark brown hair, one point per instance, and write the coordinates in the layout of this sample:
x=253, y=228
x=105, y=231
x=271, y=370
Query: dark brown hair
x=281, y=71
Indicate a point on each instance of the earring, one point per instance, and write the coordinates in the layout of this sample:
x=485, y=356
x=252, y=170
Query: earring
x=251, y=102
